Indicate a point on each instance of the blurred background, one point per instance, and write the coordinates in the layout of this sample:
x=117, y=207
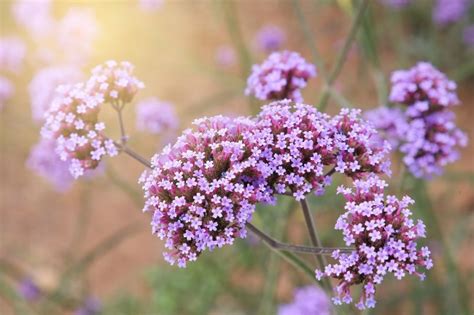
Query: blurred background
x=87, y=248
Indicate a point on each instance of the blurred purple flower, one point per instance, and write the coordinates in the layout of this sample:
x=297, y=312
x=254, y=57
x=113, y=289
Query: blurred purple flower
x=6, y=91
x=309, y=300
x=281, y=76
x=28, y=289
x=35, y=16
x=76, y=33
x=45, y=162
x=156, y=116
x=390, y=122
x=449, y=11
x=43, y=86
x=430, y=140
x=225, y=56
x=270, y=38
x=396, y=4
x=468, y=35
x=91, y=306
x=12, y=54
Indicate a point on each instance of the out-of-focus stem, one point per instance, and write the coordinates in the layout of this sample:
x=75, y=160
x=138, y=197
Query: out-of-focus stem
x=342, y=55
x=133, y=154
x=123, y=135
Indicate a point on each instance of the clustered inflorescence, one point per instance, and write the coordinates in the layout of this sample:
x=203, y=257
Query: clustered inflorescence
x=384, y=237
x=204, y=188
x=72, y=119
x=281, y=76
x=307, y=301
x=425, y=131
x=156, y=116
x=303, y=147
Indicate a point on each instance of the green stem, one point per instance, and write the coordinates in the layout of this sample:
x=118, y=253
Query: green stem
x=341, y=58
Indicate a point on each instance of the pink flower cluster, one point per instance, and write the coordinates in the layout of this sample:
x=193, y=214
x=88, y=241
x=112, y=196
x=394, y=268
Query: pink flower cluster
x=72, y=119
x=428, y=137
x=384, y=237
x=300, y=147
x=12, y=54
x=281, y=76
x=204, y=188
x=115, y=82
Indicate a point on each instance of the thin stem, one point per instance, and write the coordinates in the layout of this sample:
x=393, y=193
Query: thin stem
x=293, y=248
x=313, y=235
x=341, y=58
x=123, y=136
x=133, y=154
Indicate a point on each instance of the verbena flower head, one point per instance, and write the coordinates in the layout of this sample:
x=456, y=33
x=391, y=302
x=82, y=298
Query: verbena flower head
x=29, y=290
x=391, y=123
x=423, y=86
x=12, y=54
x=156, y=116
x=43, y=87
x=115, y=81
x=6, y=91
x=309, y=300
x=203, y=189
x=281, y=76
x=430, y=138
x=468, y=35
x=270, y=38
x=72, y=121
x=449, y=11
x=301, y=145
x=384, y=236
x=431, y=142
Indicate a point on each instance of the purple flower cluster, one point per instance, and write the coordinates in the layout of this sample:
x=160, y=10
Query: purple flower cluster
x=429, y=138
x=300, y=146
x=204, y=188
x=281, y=76
x=270, y=38
x=384, y=237
x=6, y=91
x=72, y=119
x=43, y=86
x=449, y=11
x=423, y=86
x=309, y=300
x=156, y=116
